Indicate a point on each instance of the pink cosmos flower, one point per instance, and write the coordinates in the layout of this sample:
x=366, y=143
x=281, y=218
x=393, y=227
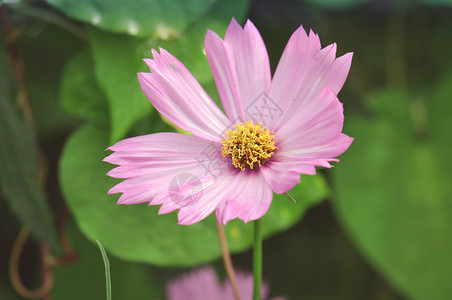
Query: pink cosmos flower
x=272, y=130
x=203, y=284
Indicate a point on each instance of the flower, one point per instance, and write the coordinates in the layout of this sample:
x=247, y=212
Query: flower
x=273, y=129
x=203, y=284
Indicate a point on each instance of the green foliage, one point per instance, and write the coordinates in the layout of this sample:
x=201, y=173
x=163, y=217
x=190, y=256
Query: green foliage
x=117, y=60
x=138, y=17
x=79, y=93
x=137, y=232
x=18, y=167
x=394, y=189
x=393, y=185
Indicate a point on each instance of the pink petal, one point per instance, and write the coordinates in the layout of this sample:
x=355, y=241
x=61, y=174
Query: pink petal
x=214, y=195
x=240, y=66
x=311, y=137
x=314, y=131
x=151, y=165
x=318, y=155
x=317, y=139
x=248, y=199
x=177, y=95
x=201, y=284
x=281, y=177
x=320, y=119
x=304, y=70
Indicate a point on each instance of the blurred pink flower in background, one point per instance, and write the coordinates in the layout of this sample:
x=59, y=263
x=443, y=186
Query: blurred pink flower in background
x=273, y=129
x=203, y=284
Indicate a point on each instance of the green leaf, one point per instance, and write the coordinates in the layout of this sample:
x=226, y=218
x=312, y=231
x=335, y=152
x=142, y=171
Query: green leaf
x=118, y=58
x=18, y=168
x=140, y=17
x=137, y=232
x=79, y=93
x=338, y=4
x=394, y=190
x=85, y=278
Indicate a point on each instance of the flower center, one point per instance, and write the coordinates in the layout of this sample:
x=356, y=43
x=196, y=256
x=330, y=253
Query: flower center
x=248, y=145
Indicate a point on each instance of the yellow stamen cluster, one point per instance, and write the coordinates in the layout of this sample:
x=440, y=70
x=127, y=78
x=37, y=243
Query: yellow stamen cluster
x=248, y=145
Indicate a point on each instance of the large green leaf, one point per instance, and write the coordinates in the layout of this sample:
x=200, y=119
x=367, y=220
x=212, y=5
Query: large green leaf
x=117, y=60
x=394, y=191
x=18, y=167
x=136, y=232
x=138, y=17
x=119, y=57
x=79, y=93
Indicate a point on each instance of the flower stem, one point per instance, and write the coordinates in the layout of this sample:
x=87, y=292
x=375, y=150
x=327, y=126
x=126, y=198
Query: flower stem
x=227, y=261
x=257, y=259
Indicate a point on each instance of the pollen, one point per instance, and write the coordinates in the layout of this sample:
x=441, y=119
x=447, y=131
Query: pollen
x=248, y=145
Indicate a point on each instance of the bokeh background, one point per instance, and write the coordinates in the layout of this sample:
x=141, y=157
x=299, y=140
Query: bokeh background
x=377, y=226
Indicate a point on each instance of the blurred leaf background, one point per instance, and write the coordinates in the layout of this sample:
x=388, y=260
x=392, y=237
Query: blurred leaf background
x=378, y=226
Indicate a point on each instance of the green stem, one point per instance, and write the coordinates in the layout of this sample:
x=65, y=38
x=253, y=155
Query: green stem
x=257, y=259
x=107, y=270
